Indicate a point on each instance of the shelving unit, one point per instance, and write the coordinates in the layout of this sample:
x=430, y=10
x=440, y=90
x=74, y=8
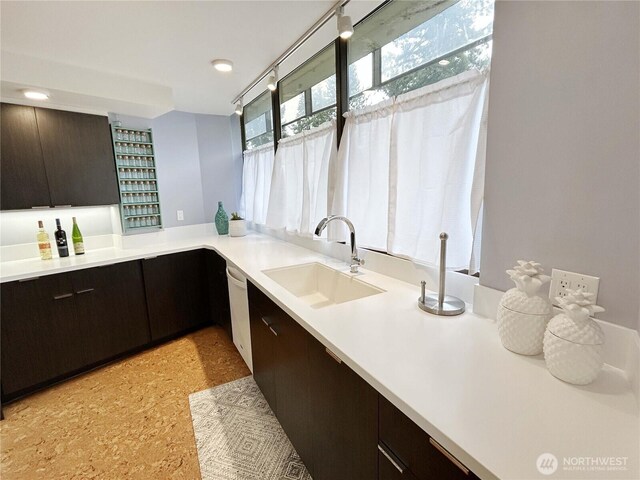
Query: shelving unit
x=137, y=179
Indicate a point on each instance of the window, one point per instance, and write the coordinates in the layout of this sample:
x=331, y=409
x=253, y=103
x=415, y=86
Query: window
x=410, y=44
x=308, y=94
x=258, y=122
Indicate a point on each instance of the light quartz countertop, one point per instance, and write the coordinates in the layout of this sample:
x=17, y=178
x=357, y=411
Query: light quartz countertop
x=494, y=410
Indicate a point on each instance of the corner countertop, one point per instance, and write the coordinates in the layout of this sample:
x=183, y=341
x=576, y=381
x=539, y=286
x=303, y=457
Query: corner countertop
x=494, y=410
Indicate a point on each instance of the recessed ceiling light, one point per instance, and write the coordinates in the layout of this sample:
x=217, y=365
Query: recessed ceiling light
x=222, y=65
x=35, y=94
x=444, y=62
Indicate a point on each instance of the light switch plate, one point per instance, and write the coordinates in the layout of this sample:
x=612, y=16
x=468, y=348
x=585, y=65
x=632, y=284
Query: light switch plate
x=180, y=215
x=562, y=280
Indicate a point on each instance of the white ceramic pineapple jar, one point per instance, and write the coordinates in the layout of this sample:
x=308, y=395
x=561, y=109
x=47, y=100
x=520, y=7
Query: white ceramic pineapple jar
x=573, y=342
x=523, y=312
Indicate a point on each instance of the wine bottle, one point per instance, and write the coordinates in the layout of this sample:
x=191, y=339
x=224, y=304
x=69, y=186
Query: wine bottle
x=44, y=245
x=76, y=238
x=61, y=240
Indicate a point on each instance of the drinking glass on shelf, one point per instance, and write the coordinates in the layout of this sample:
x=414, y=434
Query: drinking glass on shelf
x=125, y=135
x=118, y=134
x=138, y=137
x=143, y=137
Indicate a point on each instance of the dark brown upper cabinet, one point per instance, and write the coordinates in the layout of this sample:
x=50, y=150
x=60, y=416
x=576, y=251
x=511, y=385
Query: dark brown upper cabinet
x=78, y=158
x=22, y=173
x=55, y=158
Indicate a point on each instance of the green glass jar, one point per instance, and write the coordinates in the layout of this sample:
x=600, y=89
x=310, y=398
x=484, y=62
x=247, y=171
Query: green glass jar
x=222, y=220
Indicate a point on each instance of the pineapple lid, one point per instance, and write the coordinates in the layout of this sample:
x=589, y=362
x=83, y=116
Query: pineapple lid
x=575, y=324
x=528, y=277
x=519, y=301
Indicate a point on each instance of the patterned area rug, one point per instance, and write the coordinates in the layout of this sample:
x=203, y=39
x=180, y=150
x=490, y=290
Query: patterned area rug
x=239, y=438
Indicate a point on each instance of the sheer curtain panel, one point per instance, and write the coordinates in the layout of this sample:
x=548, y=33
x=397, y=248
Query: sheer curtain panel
x=256, y=183
x=299, y=184
x=360, y=177
x=437, y=169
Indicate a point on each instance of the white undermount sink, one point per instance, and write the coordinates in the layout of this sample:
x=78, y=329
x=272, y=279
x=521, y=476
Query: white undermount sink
x=321, y=286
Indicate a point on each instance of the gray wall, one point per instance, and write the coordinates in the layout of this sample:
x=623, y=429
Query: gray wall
x=199, y=162
x=220, y=180
x=563, y=154
x=176, y=141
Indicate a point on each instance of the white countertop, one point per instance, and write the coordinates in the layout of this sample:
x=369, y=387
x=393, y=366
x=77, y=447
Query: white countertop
x=495, y=410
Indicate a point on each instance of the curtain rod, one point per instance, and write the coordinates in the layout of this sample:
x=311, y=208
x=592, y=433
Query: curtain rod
x=297, y=44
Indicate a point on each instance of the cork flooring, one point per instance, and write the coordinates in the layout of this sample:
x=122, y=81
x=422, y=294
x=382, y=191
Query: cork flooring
x=130, y=419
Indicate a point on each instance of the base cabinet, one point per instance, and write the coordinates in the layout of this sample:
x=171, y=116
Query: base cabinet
x=328, y=412
x=56, y=325
x=412, y=450
x=220, y=310
x=176, y=291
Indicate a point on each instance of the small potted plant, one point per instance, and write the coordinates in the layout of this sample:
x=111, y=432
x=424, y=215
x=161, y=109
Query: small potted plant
x=237, y=226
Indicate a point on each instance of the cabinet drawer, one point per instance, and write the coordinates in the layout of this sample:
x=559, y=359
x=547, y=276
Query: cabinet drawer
x=414, y=449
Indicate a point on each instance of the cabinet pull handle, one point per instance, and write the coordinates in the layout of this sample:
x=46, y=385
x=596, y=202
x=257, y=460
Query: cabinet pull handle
x=273, y=331
x=265, y=321
x=391, y=457
x=451, y=458
x=62, y=206
x=86, y=290
x=333, y=355
x=150, y=258
x=64, y=295
x=28, y=279
x=40, y=207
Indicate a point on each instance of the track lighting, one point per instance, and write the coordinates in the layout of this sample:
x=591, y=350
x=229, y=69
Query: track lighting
x=239, y=107
x=273, y=80
x=345, y=27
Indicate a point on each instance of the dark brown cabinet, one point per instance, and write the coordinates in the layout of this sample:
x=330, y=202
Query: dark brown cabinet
x=220, y=310
x=55, y=158
x=413, y=451
x=177, y=293
x=40, y=339
x=78, y=158
x=111, y=307
x=22, y=173
x=345, y=410
x=56, y=325
x=328, y=412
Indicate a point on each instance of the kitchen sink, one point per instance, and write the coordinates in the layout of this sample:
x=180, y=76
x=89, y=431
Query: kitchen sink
x=320, y=286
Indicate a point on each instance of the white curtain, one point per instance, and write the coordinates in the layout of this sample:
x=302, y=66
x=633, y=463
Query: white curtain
x=360, y=178
x=256, y=183
x=413, y=167
x=299, y=184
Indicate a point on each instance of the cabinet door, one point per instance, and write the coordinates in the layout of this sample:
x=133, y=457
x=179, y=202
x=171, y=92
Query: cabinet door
x=22, y=173
x=292, y=385
x=176, y=290
x=78, y=158
x=345, y=423
x=420, y=454
x=220, y=310
x=111, y=307
x=263, y=342
x=40, y=332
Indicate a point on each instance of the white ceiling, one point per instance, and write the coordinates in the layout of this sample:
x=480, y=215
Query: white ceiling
x=148, y=45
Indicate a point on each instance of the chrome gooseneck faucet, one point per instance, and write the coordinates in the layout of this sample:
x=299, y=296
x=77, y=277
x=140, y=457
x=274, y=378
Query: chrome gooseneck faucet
x=355, y=261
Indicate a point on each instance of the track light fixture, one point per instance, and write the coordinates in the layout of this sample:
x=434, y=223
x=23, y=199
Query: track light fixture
x=345, y=27
x=273, y=80
x=239, y=107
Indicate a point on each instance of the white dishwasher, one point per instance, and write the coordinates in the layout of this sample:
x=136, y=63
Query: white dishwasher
x=239, y=313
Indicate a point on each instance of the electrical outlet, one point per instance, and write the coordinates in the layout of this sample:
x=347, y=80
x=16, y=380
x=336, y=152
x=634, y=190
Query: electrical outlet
x=180, y=215
x=561, y=281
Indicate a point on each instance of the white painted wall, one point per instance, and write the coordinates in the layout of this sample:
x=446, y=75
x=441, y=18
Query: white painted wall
x=563, y=157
